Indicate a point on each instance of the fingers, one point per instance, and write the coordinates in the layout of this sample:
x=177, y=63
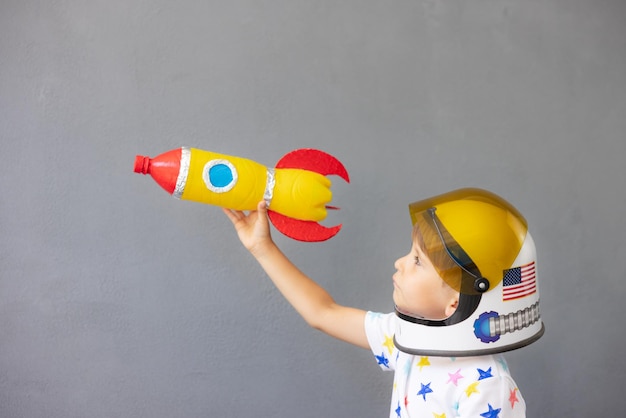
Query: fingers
x=234, y=215
x=252, y=227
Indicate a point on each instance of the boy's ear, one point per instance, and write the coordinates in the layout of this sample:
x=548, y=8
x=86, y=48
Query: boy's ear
x=451, y=307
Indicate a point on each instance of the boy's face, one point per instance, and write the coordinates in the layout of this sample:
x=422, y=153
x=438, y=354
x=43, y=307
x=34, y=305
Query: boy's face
x=419, y=290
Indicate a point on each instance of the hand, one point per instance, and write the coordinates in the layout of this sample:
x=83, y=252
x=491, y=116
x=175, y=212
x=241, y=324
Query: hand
x=253, y=229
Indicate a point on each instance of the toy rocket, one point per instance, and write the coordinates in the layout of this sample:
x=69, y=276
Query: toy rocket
x=297, y=190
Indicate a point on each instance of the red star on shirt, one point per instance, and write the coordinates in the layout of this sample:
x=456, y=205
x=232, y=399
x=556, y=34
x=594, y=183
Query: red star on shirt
x=513, y=397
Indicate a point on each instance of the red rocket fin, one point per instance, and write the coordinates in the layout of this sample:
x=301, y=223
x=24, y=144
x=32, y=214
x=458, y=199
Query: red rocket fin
x=314, y=160
x=307, y=231
x=318, y=162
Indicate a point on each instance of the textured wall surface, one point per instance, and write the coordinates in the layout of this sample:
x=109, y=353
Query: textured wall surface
x=117, y=300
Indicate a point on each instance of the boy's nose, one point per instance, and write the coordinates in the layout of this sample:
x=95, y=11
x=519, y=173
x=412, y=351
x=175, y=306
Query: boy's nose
x=396, y=264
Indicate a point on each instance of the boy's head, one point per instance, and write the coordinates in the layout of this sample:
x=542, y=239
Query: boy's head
x=419, y=290
x=431, y=245
x=479, y=245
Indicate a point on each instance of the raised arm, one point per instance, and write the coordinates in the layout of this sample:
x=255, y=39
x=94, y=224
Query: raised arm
x=309, y=299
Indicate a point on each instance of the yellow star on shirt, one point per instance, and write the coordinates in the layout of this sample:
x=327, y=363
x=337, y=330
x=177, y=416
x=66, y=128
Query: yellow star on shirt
x=472, y=389
x=423, y=362
x=389, y=343
x=439, y=416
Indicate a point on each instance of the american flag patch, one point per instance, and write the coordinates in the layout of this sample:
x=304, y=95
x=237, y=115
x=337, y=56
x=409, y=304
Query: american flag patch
x=519, y=282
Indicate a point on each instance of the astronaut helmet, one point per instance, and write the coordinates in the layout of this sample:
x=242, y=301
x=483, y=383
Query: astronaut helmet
x=480, y=246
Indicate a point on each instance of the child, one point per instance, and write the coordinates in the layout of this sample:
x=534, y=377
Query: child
x=471, y=254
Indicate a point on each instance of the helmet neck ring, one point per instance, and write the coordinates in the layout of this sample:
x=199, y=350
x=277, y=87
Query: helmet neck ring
x=467, y=305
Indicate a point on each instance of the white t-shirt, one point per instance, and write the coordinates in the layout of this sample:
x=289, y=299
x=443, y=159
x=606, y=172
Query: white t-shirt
x=443, y=387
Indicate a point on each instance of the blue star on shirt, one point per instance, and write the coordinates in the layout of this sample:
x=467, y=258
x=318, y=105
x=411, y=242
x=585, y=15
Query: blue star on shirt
x=492, y=413
x=455, y=406
x=425, y=390
x=398, y=410
x=484, y=374
x=382, y=360
x=375, y=315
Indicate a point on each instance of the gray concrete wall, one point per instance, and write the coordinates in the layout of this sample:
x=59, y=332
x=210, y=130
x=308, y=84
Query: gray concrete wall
x=117, y=300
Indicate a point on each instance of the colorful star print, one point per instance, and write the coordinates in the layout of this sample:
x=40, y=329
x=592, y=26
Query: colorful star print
x=472, y=389
x=484, y=374
x=492, y=413
x=389, y=343
x=513, y=397
x=421, y=388
x=455, y=377
x=425, y=390
x=423, y=362
x=502, y=362
x=407, y=367
x=375, y=315
x=382, y=360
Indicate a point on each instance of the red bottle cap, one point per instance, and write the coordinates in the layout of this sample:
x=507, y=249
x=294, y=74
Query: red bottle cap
x=142, y=164
x=163, y=168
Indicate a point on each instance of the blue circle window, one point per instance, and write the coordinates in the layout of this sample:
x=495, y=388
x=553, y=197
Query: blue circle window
x=219, y=176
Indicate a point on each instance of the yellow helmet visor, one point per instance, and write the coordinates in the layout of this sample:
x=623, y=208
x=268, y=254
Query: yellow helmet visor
x=479, y=231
